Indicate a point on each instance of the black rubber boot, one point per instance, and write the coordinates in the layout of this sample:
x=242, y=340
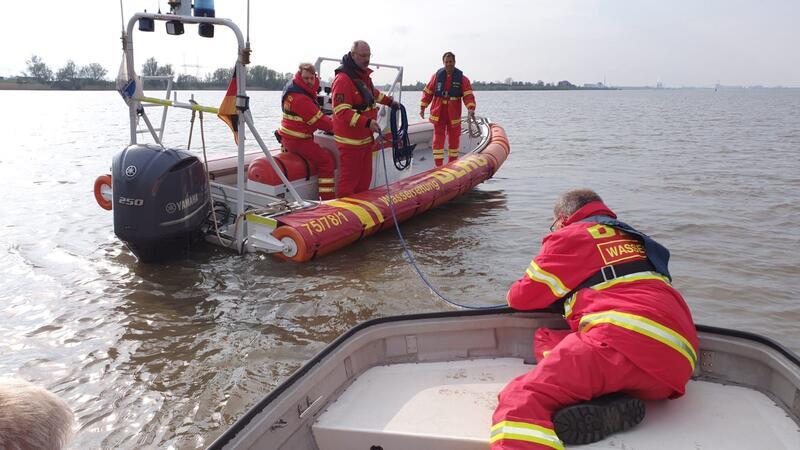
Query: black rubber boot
x=592, y=421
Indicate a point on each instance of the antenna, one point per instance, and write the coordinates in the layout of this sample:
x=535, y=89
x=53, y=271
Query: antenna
x=196, y=66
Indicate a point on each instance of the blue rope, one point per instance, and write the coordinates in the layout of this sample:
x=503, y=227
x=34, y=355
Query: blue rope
x=409, y=257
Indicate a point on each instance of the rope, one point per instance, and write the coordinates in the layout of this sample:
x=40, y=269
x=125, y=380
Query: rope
x=410, y=257
x=402, y=150
x=205, y=164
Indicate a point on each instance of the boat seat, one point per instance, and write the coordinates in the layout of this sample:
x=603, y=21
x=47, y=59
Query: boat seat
x=449, y=405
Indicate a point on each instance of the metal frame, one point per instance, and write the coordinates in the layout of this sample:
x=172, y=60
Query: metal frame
x=245, y=118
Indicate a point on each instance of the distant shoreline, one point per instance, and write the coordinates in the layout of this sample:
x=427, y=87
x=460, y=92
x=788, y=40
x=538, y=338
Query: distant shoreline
x=109, y=86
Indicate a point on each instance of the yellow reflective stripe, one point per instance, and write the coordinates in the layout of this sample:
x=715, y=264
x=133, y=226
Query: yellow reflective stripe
x=465, y=93
x=470, y=105
x=380, y=97
x=528, y=432
x=326, y=180
x=292, y=117
x=426, y=90
x=361, y=213
x=455, y=121
x=296, y=134
x=607, y=284
x=326, y=189
x=454, y=153
x=342, y=106
x=272, y=223
x=630, y=278
x=644, y=326
x=314, y=119
x=568, y=304
x=536, y=273
x=354, y=120
x=369, y=205
x=438, y=152
x=344, y=140
x=435, y=118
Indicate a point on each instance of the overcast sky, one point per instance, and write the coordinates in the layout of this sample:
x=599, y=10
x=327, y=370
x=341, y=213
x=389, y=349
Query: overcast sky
x=625, y=42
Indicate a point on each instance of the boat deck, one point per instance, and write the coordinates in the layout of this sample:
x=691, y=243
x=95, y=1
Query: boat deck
x=448, y=405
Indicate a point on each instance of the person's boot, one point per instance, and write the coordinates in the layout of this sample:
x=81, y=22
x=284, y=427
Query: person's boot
x=592, y=421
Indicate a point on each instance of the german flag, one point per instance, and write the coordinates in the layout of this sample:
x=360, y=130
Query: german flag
x=227, y=109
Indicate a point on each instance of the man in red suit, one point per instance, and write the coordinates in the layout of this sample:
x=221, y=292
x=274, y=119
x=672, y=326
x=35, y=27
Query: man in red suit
x=301, y=117
x=355, y=119
x=631, y=335
x=448, y=88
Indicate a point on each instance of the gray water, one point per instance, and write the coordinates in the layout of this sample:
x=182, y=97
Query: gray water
x=170, y=355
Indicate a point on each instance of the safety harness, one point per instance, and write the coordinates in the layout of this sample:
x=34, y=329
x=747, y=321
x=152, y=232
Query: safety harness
x=292, y=88
x=349, y=68
x=657, y=257
x=455, y=90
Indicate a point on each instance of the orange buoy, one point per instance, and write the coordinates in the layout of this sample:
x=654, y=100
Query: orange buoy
x=297, y=250
x=102, y=191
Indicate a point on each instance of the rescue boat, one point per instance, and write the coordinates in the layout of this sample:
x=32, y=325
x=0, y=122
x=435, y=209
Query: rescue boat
x=430, y=381
x=165, y=199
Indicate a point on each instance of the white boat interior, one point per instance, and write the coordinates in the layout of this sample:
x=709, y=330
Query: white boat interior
x=431, y=382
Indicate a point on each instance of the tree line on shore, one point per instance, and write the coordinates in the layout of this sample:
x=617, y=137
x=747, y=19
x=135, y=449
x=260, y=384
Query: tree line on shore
x=93, y=75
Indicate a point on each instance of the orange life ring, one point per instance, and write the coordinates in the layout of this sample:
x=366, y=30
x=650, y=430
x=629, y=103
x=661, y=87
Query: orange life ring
x=102, y=188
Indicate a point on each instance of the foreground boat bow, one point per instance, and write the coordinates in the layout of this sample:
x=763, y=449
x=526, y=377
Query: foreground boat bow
x=431, y=380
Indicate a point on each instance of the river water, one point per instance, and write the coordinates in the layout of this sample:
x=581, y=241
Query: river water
x=170, y=355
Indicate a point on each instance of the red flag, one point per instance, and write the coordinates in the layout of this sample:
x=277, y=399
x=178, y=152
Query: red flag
x=227, y=109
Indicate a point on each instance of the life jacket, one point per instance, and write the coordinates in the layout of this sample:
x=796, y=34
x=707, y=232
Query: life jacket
x=292, y=88
x=350, y=69
x=657, y=254
x=455, y=90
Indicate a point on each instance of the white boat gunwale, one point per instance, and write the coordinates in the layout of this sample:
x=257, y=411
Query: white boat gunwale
x=720, y=347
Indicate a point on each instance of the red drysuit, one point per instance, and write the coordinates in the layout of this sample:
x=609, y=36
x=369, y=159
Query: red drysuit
x=631, y=334
x=352, y=114
x=301, y=116
x=446, y=111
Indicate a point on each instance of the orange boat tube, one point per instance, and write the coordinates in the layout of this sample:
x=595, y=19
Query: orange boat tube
x=337, y=223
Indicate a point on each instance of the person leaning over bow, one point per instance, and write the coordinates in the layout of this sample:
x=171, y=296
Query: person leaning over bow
x=448, y=87
x=631, y=335
x=301, y=116
x=355, y=119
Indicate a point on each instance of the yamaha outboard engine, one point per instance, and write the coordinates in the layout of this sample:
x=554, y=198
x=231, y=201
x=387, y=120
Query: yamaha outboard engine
x=160, y=200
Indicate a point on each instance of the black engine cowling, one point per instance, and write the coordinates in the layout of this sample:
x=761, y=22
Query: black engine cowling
x=160, y=200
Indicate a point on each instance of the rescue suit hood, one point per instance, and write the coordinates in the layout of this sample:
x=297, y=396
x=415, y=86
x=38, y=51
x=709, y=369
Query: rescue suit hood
x=351, y=68
x=595, y=208
x=311, y=90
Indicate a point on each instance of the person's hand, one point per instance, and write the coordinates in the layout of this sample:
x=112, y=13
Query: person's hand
x=374, y=127
x=395, y=104
x=471, y=114
x=422, y=112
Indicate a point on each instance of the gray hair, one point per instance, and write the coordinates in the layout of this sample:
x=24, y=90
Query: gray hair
x=571, y=201
x=356, y=44
x=32, y=417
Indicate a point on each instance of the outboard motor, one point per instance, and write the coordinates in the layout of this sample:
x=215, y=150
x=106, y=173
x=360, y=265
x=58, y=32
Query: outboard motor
x=160, y=200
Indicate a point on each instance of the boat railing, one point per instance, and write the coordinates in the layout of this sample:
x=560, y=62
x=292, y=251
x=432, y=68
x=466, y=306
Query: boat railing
x=169, y=79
